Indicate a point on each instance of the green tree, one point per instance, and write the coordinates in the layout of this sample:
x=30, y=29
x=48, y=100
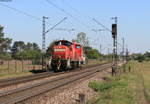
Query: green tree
x=28, y=55
x=22, y=55
x=18, y=46
x=32, y=46
x=140, y=58
x=147, y=56
x=5, y=45
x=82, y=39
x=49, y=48
x=35, y=47
x=23, y=51
x=29, y=46
x=92, y=53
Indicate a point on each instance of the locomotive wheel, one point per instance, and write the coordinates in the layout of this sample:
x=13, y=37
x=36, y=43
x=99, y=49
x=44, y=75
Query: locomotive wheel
x=58, y=65
x=78, y=64
x=68, y=64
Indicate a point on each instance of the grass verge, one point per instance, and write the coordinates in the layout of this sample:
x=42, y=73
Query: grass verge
x=125, y=88
x=12, y=75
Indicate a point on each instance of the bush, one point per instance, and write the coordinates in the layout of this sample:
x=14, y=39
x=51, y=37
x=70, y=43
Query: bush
x=140, y=58
x=5, y=56
x=103, y=86
x=100, y=86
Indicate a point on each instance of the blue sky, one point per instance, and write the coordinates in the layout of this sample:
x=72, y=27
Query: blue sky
x=133, y=21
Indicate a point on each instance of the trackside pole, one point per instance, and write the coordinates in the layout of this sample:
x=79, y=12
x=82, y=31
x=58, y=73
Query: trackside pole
x=114, y=35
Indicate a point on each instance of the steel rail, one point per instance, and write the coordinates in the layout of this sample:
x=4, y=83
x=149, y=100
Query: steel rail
x=20, y=94
x=28, y=78
x=8, y=82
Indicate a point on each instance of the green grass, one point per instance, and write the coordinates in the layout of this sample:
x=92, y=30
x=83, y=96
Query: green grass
x=17, y=71
x=125, y=88
x=104, y=86
x=94, y=62
x=144, y=69
x=11, y=75
x=16, y=68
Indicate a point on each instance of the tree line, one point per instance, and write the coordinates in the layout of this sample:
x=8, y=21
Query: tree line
x=30, y=51
x=18, y=50
x=141, y=57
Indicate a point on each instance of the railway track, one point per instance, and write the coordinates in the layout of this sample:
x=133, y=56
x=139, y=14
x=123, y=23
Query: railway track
x=14, y=81
x=23, y=93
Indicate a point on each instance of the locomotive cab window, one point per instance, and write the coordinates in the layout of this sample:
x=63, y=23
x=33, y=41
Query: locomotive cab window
x=66, y=43
x=78, y=46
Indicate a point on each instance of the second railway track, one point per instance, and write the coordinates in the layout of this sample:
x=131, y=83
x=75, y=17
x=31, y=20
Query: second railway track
x=14, y=81
x=20, y=94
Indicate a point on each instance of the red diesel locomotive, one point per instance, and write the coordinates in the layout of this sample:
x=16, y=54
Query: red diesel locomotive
x=66, y=55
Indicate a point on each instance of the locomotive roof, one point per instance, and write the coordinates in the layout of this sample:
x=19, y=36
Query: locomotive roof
x=64, y=41
x=67, y=41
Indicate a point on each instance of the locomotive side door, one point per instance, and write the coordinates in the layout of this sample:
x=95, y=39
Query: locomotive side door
x=78, y=51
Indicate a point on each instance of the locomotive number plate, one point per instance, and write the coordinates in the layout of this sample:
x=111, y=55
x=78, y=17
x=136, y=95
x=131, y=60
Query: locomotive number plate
x=59, y=50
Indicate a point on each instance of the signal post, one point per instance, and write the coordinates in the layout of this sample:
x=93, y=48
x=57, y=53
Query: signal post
x=114, y=36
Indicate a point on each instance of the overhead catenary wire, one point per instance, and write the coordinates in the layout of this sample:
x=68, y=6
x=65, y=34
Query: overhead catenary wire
x=101, y=25
x=39, y=19
x=22, y=12
x=64, y=29
x=67, y=13
x=77, y=11
x=104, y=28
x=70, y=6
x=56, y=24
x=33, y=17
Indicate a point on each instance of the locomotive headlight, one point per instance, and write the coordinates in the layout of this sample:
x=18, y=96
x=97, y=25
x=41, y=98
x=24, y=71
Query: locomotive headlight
x=59, y=50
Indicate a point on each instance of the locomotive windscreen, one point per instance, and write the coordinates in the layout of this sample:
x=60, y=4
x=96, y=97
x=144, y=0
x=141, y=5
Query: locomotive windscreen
x=63, y=42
